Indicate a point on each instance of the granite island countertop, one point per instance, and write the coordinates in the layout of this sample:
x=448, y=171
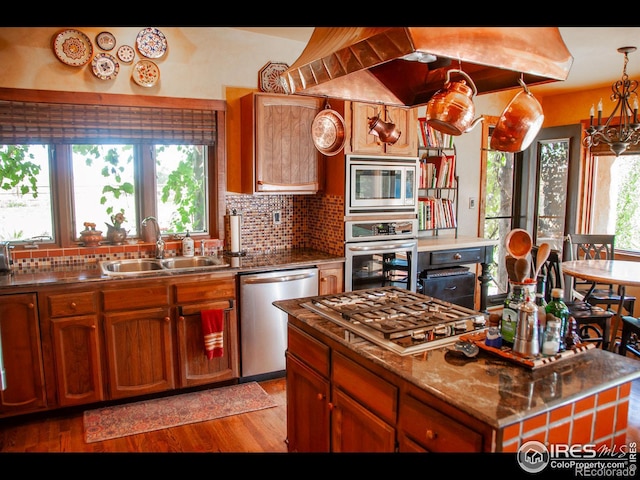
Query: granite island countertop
x=90, y=272
x=487, y=387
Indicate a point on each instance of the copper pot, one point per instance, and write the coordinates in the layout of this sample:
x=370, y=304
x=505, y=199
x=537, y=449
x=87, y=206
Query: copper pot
x=451, y=109
x=519, y=123
x=386, y=131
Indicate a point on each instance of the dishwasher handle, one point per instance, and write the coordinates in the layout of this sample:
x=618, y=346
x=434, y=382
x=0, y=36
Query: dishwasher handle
x=280, y=279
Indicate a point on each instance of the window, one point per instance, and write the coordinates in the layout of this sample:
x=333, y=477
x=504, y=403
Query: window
x=66, y=164
x=615, y=207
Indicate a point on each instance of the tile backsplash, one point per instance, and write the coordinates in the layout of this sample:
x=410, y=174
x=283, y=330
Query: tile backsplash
x=305, y=221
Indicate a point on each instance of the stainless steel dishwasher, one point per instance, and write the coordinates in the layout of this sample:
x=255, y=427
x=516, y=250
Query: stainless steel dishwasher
x=263, y=327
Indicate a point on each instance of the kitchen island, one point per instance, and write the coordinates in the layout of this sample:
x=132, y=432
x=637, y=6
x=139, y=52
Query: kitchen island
x=345, y=393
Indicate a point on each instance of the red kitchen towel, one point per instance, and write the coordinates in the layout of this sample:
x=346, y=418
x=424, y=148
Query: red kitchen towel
x=212, y=327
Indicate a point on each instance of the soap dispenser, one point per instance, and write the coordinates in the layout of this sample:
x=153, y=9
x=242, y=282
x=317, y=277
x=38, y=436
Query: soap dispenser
x=187, y=246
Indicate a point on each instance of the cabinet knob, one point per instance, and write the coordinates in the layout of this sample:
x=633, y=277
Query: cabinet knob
x=167, y=319
x=31, y=306
x=181, y=318
x=457, y=256
x=321, y=396
x=431, y=435
x=331, y=406
x=73, y=305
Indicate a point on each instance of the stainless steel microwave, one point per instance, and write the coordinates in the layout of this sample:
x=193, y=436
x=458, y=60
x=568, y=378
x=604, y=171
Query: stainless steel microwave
x=381, y=185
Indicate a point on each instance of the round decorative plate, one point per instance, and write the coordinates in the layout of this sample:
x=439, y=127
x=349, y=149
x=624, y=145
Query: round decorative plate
x=145, y=73
x=105, y=66
x=151, y=43
x=269, y=77
x=106, y=41
x=72, y=47
x=126, y=53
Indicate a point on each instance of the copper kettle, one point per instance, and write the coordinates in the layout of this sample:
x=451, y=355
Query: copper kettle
x=519, y=123
x=386, y=131
x=451, y=109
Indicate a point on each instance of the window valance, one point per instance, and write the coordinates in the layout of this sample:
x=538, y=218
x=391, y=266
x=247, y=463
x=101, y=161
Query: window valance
x=41, y=122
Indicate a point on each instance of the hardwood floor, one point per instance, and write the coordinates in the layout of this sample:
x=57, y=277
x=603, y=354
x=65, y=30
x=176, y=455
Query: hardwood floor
x=262, y=431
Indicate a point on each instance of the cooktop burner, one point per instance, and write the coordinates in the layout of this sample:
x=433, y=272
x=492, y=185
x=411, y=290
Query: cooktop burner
x=398, y=319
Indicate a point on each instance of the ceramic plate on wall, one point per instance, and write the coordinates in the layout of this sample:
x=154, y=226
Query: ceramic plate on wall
x=146, y=73
x=105, y=66
x=126, y=53
x=151, y=43
x=106, y=41
x=269, y=77
x=72, y=47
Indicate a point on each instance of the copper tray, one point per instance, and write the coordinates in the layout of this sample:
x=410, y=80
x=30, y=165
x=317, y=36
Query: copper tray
x=327, y=131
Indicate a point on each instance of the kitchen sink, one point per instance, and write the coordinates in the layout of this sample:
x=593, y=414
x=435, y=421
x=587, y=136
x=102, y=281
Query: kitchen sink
x=191, y=262
x=135, y=267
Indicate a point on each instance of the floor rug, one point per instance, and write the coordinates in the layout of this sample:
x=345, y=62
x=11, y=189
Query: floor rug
x=139, y=417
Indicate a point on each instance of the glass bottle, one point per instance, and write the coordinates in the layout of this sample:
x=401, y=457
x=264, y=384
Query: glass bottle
x=509, y=320
x=551, y=338
x=558, y=310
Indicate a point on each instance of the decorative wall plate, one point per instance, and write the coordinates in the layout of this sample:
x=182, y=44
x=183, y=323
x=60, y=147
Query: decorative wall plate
x=72, y=47
x=106, y=41
x=105, y=66
x=269, y=77
x=145, y=73
x=151, y=43
x=126, y=53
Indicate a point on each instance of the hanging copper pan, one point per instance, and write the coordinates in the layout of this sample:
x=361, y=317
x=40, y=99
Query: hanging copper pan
x=327, y=131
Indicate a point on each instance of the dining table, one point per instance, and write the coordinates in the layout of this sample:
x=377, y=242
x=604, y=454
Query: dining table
x=622, y=273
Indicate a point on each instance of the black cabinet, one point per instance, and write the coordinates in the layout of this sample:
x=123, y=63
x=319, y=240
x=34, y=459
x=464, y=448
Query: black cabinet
x=457, y=288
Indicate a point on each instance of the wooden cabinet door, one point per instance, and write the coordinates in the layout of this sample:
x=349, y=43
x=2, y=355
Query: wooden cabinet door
x=330, y=278
x=355, y=429
x=406, y=120
x=278, y=152
x=364, y=143
x=194, y=368
x=308, y=408
x=76, y=350
x=139, y=352
x=22, y=355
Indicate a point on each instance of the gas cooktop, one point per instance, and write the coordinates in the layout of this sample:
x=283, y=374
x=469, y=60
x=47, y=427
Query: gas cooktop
x=397, y=319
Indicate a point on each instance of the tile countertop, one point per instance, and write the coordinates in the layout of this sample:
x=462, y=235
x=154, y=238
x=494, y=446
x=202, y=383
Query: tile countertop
x=429, y=244
x=256, y=262
x=495, y=391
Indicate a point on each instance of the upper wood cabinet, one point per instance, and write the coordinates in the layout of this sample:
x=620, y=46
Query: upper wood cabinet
x=364, y=143
x=277, y=152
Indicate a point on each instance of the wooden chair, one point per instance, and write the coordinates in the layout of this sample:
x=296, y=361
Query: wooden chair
x=594, y=322
x=630, y=335
x=596, y=247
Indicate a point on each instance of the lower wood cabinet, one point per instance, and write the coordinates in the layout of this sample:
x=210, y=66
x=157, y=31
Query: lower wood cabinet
x=340, y=403
x=22, y=354
x=330, y=278
x=76, y=340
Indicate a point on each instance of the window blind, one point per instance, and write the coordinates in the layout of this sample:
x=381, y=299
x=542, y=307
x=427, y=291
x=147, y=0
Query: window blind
x=34, y=122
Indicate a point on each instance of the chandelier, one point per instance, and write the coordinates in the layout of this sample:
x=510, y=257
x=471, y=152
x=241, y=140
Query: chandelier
x=621, y=128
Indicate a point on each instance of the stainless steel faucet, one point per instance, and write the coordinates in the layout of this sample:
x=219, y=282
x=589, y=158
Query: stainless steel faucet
x=159, y=241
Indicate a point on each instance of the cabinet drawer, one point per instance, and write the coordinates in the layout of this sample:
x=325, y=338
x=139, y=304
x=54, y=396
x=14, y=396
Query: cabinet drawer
x=435, y=431
x=458, y=289
x=133, y=298
x=306, y=348
x=369, y=389
x=67, y=304
x=210, y=290
x=448, y=257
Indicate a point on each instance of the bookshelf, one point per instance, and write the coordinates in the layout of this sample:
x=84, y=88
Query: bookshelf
x=438, y=182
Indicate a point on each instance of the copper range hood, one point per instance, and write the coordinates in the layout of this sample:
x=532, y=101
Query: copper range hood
x=367, y=63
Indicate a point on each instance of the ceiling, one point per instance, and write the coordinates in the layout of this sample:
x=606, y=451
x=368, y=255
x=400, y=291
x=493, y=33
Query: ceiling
x=597, y=62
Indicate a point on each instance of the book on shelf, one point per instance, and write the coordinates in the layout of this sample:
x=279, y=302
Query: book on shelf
x=436, y=213
x=437, y=171
x=429, y=137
